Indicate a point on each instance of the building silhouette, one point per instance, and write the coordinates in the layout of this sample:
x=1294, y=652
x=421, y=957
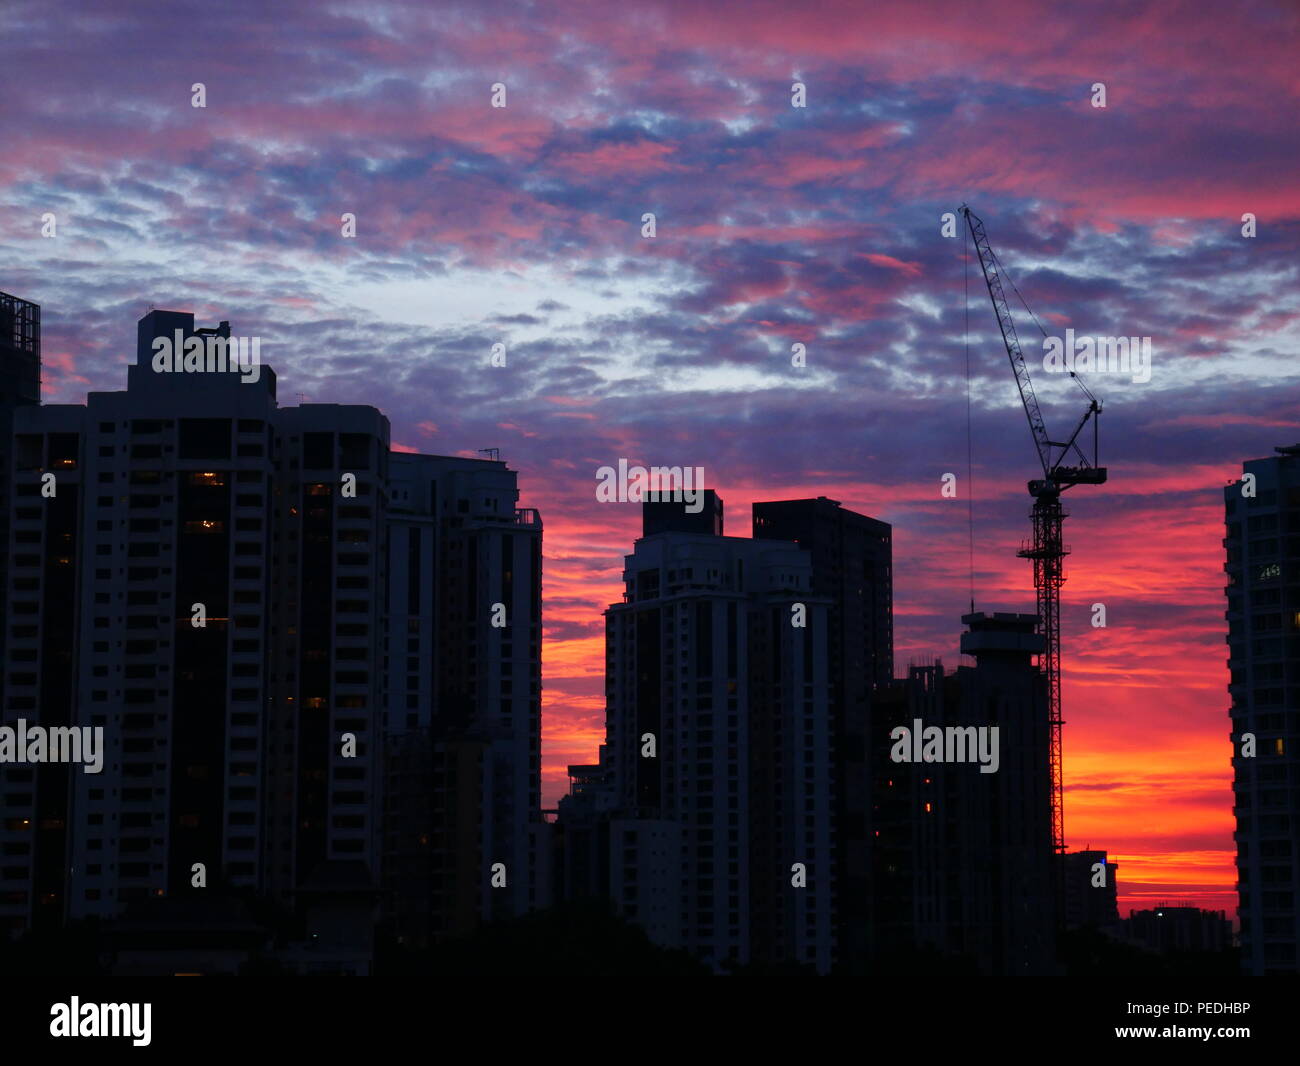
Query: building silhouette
x=708, y=819
x=1090, y=883
x=1180, y=928
x=20, y=386
x=852, y=566
x=963, y=859
x=280, y=625
x=1262, y=514
x=671, y=516
x=464, y=720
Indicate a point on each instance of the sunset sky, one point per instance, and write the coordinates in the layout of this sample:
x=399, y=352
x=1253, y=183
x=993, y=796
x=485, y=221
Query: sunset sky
x=820, y=225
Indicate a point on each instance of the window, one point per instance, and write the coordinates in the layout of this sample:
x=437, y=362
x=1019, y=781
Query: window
x=318, y=451
x=63, y=450
x=355, y=449
x=204, y=438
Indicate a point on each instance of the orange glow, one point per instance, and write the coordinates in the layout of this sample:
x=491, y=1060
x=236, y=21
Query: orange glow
x=1146, y=755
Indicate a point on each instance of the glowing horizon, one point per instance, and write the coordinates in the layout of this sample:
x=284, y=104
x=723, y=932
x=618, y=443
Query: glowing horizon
x=775, y=225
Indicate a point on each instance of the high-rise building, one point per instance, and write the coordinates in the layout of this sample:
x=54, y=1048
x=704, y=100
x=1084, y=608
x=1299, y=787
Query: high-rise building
x=673, y=516
x=1262, y=512
x=271, y=617
x=328, y=633
x=196, y=573
x=464, y=723
x=852, y=565
x=717, y=776
x=20, y=386
x=963, y=860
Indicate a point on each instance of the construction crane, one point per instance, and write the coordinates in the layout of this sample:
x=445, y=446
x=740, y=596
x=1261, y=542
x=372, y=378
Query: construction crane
x=1064, y=465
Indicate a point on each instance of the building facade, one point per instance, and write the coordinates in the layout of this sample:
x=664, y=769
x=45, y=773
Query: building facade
x=963, y=858
x=20, y=386
x=852, y=566
x=1090, y=889
x=1262, y=542
x=715, y=783
x=464, y=724
x=273, y=619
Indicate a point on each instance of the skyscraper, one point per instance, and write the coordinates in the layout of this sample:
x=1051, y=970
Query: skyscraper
x=271, y=617
x=1262, y=513
x=852, y=565
x=20, y=386
x=718, y=750
x=195, y=576
x=464, y=723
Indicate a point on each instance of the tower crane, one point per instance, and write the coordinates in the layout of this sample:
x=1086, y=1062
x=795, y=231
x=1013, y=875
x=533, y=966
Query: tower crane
x=1064, y=465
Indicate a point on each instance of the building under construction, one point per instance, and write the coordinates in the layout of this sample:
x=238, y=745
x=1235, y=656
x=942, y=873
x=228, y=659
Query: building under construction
x=963, y=859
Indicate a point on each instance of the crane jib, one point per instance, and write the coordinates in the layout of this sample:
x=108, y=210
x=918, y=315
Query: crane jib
x=1046, y=551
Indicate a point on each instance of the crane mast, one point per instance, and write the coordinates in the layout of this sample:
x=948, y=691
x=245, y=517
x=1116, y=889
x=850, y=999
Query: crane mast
x=1045, y=549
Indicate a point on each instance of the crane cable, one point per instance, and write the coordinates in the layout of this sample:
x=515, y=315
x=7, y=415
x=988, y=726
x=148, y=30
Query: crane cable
x=970, y=468
x=1003, y=271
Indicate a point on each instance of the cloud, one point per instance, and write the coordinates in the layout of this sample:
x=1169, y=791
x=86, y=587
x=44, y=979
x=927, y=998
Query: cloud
x=820, y=225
